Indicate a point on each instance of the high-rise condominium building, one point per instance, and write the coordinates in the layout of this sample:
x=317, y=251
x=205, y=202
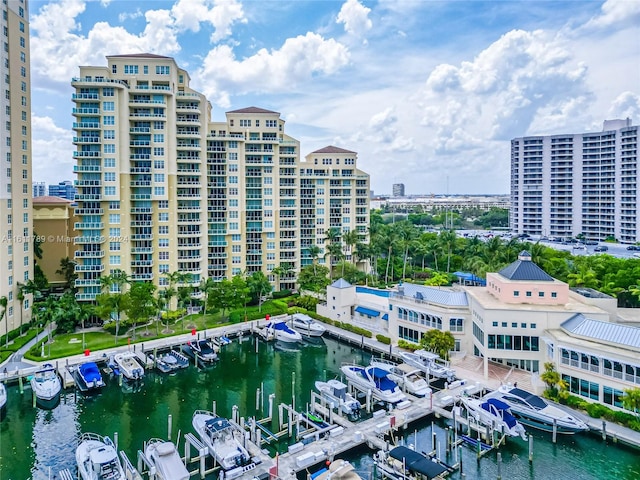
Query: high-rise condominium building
x=39, y=189
x=63, y=190
x=163, y=189
x=398, y=189
x=16, y=257
x=571, y=184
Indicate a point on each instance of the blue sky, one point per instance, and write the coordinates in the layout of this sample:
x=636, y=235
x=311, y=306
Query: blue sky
x=428, y=93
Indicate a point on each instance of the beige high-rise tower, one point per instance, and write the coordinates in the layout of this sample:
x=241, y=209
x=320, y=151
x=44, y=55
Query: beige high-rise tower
x=16, y=231
x=163, y=189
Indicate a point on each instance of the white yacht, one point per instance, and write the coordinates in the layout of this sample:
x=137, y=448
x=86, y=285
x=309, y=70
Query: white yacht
x=128, y=365
x=45, y=383
x=429, y=363
x=375, y=379
x=494, y=413
x=337, y=470
x=166, y=460
x=3, y=395
x=408, y=378
x=97, y=459
x=306, y=325
x=335, y=392
x=204, y=351
x=536, y=412
x=283, y=332
x=225, y=441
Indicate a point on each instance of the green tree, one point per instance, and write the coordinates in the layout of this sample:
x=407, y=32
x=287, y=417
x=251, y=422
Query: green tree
x=68, y=271
x=3, y=305
x=206, y=287
x=314, y=252
x=141, y=305
x=259, y=286
x=438, y=279
x=229, y=294
x=631, y=399
x=113, y=301
x=314, y=278
x=438, y=341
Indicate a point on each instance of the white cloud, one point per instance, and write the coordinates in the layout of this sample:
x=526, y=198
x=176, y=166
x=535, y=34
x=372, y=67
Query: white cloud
x=52, y=151
x=626, y=105
x=221, y=14
x=124, y=16
x=274, y=71
x=355, y=18
x=618, y=13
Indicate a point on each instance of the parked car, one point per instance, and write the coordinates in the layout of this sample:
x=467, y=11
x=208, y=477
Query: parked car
x=601, y=248
x=591, y=242
x=634, y=247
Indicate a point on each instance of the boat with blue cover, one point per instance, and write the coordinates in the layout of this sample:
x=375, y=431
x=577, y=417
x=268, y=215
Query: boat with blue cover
x=283, y=332
x=88, y=377
x=403, y=463
x=536, y=412
x=494, y=413
x=375, y=379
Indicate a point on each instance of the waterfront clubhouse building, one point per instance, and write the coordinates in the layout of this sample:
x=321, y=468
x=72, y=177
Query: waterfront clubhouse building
x=162, y=188
x=521, y=318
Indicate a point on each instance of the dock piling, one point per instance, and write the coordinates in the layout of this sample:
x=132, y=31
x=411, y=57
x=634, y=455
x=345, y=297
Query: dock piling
x=530, y=448
x=272, y=397
x=555, y=430
x=258, y=399
x=115, y=440
x=604, y=429
x=169, y=419
x=213, y=407
x=499, y=466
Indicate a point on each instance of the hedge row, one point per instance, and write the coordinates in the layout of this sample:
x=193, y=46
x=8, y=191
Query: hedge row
x=409, y=345
x=383, y=339
x=344, y=326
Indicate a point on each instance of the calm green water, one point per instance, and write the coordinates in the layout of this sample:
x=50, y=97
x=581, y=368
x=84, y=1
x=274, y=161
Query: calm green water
x=35, y=443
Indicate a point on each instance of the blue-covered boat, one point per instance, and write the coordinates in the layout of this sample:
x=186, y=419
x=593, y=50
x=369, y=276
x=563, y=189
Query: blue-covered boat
x=89, y=377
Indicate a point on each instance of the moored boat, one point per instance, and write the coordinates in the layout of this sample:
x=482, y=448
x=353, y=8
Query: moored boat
x=337, y=470
x=336, y=393
x=406, y=376
x=128, y=365
x=494, y=413
x=97, y=459
x=283, y=332
x=225, y=441
x=45, y=383
x=306, y=325
x=89, y=377
x=430, y=364
x=204, y=351
x=403, y=463
x=165, y=458
x=3, y=395
x=375, y=379
x=170, y=361
x=536, y=412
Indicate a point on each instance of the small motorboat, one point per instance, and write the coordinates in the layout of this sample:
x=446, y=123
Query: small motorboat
x=430, y=364
x=204, y=351
x=375, y=379
x=128, y=365
x=403, y=463
x=536, y=412
x=89, y=377
x=166, y=460
x=3, y=395
x=337, y=470
x=97, y=459
x=225, y=441
x=170, y=361
x=283, y=332
x=45, y=383
x=306, y=325
x=494, y=413
x=408, y=378
x=336, y=394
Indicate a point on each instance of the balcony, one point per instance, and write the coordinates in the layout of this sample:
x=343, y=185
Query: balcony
x=86, y=125
x=87, y=154
x=141, y=276
x=85, y=111
x=93, y=282
x=86, y=168
x=86, y=140
x=142, y=250
x=87, y=183
x=88, y=197
x=88, y=211
x=89, y=254
x=88, y=239
x=89, y=268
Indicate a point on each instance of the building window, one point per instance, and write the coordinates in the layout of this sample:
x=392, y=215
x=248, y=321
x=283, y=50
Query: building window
x=163, y=70
x=516, y=293
x=131, y=69
x=514, y=324
x=456, y=324
x=107, y=92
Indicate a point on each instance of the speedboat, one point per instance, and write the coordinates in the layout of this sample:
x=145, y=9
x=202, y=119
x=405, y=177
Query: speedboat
x=45, y=383
x=90, y=377
x=536, y=412
x=166, y=460
x=407, y=377
x=494, y=413
x=97, y=459
x=375, y=379
x=403, y=463
x=307, y=325
x=128, y=365
x=284, y=333
x=225, y=442
x=429, y=363
x=337, y=470
x=170, y=361
x=203, y=351
x=3, y=395
x=335, y=393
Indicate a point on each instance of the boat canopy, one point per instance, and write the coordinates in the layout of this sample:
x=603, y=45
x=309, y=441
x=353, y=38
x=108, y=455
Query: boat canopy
x=416, y=462
x=217, y=424
x=499, y=405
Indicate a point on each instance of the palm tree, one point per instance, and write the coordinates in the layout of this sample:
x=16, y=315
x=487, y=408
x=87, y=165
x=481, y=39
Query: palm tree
x=448, y=241
x=332, y=238
x=350, y=239
x=206, y=287
x=314, y=252
x=20, y=297
x=3, y=304
x=113, y=286
x=334, y=252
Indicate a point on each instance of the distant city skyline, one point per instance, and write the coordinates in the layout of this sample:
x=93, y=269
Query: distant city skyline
x=423, y=91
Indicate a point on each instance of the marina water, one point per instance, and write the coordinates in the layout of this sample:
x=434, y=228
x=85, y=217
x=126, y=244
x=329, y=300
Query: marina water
x=37, y=444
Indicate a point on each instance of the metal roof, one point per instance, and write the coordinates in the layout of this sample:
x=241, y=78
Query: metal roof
x=342, y=283
x=525, y=269
x=603, y=331
x=440, y=296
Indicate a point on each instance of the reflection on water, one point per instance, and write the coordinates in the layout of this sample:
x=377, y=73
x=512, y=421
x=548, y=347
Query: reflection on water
x=35, y=442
